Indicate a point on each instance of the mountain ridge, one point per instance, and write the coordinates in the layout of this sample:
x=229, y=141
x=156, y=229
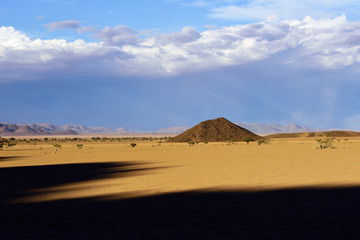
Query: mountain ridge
x=273, y=128
x=21, y=129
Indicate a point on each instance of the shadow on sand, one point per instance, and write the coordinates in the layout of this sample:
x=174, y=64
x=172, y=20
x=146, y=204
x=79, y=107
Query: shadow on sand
x=19, y=182
x=303, y=213
x=10, y=158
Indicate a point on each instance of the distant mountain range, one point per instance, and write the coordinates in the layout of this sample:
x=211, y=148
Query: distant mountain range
x=8, y=129
x=265, y=129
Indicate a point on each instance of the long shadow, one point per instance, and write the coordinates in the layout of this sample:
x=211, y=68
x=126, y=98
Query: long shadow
x=9, y=158
x=303, y=213
x=18, y=182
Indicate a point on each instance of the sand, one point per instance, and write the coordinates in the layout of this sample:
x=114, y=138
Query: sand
x=287, y=189
x=178, y=167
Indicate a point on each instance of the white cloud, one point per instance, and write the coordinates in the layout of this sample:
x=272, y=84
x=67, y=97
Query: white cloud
x=260, y=9
x=70, y=24
x=186, y=35
x=118, y=35
x=326, y=44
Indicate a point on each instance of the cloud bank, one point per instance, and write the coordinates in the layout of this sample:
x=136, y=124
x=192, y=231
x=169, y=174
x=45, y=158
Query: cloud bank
x=329, y=43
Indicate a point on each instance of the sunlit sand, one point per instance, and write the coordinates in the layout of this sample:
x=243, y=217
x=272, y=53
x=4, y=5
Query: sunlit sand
x=150, y=169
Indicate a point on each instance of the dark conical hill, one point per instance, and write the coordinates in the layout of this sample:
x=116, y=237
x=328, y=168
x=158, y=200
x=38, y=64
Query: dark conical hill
x=215, y=130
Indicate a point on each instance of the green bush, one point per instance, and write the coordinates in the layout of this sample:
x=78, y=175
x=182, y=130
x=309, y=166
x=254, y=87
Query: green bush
x=132, y=145
x=263, y=141
x=248, y=139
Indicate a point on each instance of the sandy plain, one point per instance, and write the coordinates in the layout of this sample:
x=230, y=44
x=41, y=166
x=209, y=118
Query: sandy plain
x=290, y=169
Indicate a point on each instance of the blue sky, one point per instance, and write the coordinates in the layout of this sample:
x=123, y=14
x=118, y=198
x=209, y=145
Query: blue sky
x=145, y=65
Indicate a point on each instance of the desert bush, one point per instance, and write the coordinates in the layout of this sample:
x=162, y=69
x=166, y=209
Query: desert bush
x=231, y=141
x=132, y=145
x=263, y=141
x=248, y=139
x=325, y=143
x=191, y=143
x=206, y=142
x=57, y=147
x=79, y=146
x=11, y=144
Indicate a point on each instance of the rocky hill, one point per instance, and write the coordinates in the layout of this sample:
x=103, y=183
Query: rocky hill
x=215, y=130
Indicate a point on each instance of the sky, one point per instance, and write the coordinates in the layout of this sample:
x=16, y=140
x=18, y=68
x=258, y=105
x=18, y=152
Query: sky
x=146, y=65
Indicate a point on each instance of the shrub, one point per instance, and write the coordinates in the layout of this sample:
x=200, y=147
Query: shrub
x=263, y=141
x=132, y=145
x=191, y=143
x=79, y=146
x=231, y=141
x=206, y=142
x=4, y=142
x=248, y=139
x=325, y=143
x=57, y=147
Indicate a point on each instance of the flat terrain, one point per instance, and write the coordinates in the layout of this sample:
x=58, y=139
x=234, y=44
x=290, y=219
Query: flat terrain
x=285, y=189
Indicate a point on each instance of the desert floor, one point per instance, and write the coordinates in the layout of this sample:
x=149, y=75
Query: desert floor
x=287, y=189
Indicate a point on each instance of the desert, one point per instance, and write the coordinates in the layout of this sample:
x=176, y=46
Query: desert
x=286, y=188
x=179, y=119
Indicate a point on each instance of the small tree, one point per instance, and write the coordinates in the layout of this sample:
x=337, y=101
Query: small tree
x=57, y=147
x=248, y=139
x=3, y=142
x=132, y=145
